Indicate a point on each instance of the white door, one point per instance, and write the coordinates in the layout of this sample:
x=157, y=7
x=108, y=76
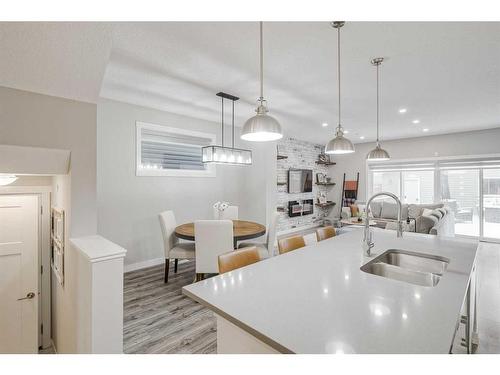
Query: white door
x=412, y=190
x=19, y=273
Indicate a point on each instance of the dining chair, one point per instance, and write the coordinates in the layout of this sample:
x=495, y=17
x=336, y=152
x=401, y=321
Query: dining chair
x=290, y=243
x=266, y=249
x=238, y=258
x=212, y=238
x=171, y=245
x=324, y=233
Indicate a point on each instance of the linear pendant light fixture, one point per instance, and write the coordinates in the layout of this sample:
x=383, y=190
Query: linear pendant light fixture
x=261, y=127
x=226, y=155
x=378, y=153
x=339, y=144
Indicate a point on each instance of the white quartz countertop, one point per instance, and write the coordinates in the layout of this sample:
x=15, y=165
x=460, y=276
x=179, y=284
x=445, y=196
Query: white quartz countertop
x=317, y=300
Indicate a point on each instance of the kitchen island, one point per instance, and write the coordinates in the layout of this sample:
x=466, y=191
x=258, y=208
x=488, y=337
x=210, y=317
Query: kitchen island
x=318, y=300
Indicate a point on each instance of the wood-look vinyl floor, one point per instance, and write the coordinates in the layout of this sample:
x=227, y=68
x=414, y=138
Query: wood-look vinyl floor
x=158, y=318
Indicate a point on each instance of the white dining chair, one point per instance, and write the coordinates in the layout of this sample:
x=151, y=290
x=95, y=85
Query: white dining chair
x=173, y=248
x=230, y=213
x=266, y=249
x=212, y=238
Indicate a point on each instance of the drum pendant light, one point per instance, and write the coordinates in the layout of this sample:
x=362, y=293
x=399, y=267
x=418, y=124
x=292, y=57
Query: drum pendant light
x=261, y=127
x=378, y=153
x=339, y=144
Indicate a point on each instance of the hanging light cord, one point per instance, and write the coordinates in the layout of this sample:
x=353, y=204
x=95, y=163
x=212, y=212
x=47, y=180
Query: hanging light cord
x=261, y=62
x=378, y=66
x=233, y=123
x=222, y=120
x=338, y=69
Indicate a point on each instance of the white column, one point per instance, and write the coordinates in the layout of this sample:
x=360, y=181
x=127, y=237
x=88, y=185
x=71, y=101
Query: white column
x=99, y=295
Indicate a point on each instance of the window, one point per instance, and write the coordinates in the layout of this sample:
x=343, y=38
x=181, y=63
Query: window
x=166, y=151
x=468, y=186
x=386, y=181
x=418, y=187
x=410, y=184
x=460, y=192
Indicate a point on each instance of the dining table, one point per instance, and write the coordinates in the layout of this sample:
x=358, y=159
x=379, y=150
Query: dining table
x=242, y=230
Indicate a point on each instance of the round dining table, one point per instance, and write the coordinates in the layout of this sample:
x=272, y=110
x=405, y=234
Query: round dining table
x=242, y=230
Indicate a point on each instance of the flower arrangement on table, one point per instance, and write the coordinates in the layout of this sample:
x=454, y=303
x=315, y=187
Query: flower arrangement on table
x=220, y=207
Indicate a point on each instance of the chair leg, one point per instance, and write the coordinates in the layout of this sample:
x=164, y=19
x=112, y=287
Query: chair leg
x=167, y=266
x=175, y=265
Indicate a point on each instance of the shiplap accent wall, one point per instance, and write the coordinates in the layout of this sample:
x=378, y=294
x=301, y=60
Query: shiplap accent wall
x=301, y=155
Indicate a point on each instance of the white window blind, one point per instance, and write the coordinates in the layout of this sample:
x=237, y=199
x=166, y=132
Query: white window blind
x=167, y=151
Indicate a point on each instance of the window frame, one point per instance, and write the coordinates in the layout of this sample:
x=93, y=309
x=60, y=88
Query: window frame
x=209, y=171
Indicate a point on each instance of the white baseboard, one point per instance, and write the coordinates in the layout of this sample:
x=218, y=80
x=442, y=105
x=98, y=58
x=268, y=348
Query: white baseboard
x=144, y=264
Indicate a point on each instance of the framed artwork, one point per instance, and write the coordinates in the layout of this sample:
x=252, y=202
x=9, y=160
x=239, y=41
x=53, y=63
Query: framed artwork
x=57, y=244
x=320, y=178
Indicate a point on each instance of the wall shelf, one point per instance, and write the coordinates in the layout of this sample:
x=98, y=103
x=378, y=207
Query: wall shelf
x=325, y=183
x=279, y=183
x=281, y=157
x=325, y=162
x=324, y=205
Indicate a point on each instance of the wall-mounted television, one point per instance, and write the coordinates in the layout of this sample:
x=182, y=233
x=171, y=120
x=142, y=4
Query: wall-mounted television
x=300, y=180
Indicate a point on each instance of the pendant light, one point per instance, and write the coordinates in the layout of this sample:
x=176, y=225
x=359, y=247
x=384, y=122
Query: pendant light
x=261, y=127
x=226, y=155
x=7, y=179
x=378, y=153
x=339, y=144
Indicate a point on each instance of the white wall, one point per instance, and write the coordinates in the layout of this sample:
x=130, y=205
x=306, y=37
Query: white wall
x=29, y=119
x=457, y=144
x=128, y=205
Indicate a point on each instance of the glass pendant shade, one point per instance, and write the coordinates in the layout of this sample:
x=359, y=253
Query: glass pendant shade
x=261, y=127
x=339, y=144
x=226, y=155
x=7, y=179
x=378, y=154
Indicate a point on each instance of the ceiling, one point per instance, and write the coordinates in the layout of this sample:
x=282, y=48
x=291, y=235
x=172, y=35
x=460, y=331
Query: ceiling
x=65, y=59
x=446, y=74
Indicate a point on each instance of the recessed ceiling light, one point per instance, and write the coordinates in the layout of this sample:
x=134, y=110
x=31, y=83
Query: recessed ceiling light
x=425, y=130
x=346, y=131
x=362, y=137
x=325, y=124
x=416, y=121
x=402, y=110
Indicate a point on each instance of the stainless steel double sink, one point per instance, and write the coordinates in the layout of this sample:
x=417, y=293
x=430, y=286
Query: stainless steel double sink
x=408, y=266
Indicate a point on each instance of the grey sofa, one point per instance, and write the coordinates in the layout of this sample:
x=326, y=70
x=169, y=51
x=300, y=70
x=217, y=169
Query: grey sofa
x=424, y=218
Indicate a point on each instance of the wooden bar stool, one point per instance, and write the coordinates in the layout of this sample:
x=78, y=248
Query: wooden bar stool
x=238, y=258
x=324, y=233
x=291, y=243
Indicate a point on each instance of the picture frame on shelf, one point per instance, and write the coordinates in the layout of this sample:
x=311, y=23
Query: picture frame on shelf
x=320, y=178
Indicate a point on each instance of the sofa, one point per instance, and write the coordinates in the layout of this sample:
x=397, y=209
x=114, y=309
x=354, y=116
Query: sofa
x=432, y=219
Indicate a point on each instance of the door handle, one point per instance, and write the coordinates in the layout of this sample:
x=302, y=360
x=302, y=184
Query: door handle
x=30, y=295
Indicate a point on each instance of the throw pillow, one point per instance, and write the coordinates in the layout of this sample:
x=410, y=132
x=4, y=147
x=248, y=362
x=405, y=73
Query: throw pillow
x=425, y=223
x=426, y=212
x=389, y=211
x=376, y=208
